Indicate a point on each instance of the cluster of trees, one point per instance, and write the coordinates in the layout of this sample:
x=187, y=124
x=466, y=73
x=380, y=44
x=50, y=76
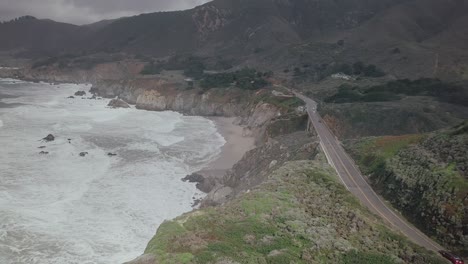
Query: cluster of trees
x=18, y=19
x=247, y=79
x=350, y=94
x=80, y=61
x=320, y=72
x=193, y=66
x=394, y=90
x=151, y=68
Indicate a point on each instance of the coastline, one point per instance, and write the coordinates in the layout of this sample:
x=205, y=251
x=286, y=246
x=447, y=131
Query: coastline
x=237, y=144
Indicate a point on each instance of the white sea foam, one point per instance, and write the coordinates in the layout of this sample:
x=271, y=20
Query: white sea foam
x=63, y=208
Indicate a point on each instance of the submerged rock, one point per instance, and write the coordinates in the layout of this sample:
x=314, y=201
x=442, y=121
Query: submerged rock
x=118, y=103
x=80, y=93
x=49, y=138
x=43, y=152
x=83, y=154
x=71, y=97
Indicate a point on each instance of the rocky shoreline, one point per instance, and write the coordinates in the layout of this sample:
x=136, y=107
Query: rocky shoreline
x=260, y=135
x=243, y=118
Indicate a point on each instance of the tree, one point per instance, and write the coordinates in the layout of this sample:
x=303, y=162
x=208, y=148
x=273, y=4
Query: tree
x=194, y=69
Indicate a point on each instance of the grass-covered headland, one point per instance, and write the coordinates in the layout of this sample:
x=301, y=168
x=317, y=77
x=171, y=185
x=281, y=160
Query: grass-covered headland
x=301, y=214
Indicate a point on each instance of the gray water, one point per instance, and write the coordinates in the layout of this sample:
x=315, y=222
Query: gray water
x=63, y=208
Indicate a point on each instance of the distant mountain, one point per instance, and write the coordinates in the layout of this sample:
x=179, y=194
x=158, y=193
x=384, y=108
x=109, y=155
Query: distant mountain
x=404, y=37
x=39, y=37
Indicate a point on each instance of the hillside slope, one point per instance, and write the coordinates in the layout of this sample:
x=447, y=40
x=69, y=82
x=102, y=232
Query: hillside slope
x=406, y=38
x=426, y=177
x=31, y=37
x=301, y=214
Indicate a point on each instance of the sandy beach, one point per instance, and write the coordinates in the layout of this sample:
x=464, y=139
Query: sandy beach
x=236, y=146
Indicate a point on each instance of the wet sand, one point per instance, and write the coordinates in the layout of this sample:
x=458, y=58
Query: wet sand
x=236, y=146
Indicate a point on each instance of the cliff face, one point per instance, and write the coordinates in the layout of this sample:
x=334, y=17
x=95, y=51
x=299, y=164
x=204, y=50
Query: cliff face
x=159, y=95
x=260, y=112
x=425, y=177
x=256, y=165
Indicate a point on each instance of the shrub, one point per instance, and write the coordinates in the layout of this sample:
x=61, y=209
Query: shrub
x=392, y=91
x=355, y=257
x=194, y=68
x=151, y=68
x=247, y=79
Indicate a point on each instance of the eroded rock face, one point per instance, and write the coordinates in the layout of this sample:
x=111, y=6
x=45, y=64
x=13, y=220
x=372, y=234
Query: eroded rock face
x=257, y=164
x=209, y=19
x=161, y=95
x=204, y=184
x=118, y=103
x=80, y=93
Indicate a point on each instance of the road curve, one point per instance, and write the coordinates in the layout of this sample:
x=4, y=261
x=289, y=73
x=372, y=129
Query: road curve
x=353, y=180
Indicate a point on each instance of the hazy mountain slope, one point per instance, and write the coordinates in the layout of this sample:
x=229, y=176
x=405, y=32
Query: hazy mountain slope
x=406, y=38
x=39, y=36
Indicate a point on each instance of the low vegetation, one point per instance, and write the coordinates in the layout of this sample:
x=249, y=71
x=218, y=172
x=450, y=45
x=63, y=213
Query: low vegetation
x=282, y=102
x=192, y=66
x=247, y=79
x=322, y=71
x=425, y=176
x=300, y=215
x=395, y=90
x=79, y=61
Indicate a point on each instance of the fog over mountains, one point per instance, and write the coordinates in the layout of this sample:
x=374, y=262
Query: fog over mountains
x=88, y=11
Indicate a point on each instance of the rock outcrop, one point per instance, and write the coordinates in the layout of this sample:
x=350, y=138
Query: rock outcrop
x=80, y=93
x=160, y=95
x=49, y=138
x=118, y=103
x=257, y=164
x=255, y=110
x=204, y=184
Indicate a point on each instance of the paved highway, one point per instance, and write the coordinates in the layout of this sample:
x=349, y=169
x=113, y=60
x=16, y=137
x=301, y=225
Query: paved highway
x=352, y=178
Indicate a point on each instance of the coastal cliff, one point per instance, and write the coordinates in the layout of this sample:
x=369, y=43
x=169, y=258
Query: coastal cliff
x=280, y=203
x=425, y=176
x=270, y=207
x=261, y=112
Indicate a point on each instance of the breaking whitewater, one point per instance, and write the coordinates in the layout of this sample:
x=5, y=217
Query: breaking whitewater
x=57, y=206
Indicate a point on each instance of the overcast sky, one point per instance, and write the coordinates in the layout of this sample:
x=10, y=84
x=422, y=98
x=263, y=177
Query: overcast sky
x=88, y=11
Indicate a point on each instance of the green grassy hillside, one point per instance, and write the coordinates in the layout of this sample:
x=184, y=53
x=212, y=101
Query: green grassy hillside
x=301, y=214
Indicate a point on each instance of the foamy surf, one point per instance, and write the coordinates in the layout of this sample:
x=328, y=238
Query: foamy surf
x=63, y=208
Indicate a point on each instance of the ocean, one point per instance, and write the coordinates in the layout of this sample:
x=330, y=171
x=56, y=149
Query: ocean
x=60, y=207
